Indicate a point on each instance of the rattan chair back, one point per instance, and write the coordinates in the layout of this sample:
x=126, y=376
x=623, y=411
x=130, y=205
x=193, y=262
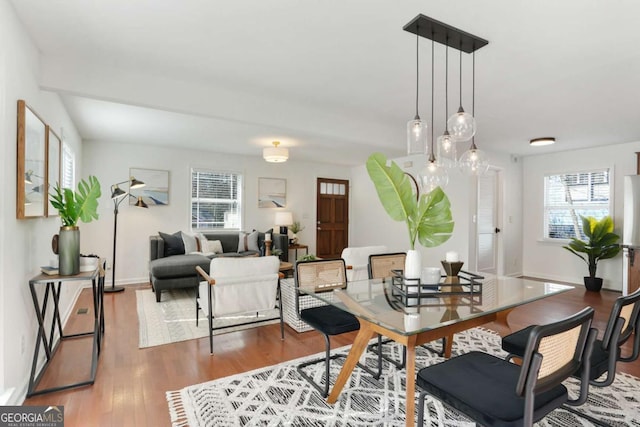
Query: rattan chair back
x=554, y=352
x=321, y=275
x=380, y=265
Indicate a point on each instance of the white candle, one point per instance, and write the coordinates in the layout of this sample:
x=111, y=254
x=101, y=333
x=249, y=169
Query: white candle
x=451, y=257
x=267, y=236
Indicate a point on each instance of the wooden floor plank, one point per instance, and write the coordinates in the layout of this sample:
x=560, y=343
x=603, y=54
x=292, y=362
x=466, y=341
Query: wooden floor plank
x=131, y=383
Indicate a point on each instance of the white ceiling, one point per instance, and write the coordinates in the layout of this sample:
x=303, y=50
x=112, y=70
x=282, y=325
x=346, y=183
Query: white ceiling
x=334, y=80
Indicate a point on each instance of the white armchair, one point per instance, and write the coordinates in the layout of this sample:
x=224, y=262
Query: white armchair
x=239, y=285
x=357, y=260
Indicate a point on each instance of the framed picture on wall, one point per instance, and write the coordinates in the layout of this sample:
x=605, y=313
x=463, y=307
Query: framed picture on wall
x=32, y=164
x=54, y=145
x=156, y=188
x=272, y=192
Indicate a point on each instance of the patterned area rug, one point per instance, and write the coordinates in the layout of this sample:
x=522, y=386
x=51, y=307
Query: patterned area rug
x=278, y=396
x=174, y=318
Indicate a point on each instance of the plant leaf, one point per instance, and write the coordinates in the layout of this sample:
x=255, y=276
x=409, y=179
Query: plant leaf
x=435, y=223
x=393, y=187
x=87, y=199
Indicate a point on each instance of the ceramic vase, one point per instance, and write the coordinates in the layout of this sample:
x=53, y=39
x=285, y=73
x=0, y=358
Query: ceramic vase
x=412, y=265
x=69, y=251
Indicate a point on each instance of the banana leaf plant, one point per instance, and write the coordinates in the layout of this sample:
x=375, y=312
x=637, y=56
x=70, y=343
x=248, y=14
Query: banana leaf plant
x=428, y=217
x=79, y=205
x=602, y=242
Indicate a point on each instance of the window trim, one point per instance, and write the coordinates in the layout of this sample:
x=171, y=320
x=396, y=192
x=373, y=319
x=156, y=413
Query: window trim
x=241, y=198
x=610, y=168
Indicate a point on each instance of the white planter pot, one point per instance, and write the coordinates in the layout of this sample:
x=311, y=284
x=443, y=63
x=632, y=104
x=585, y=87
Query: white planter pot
x=412, y=265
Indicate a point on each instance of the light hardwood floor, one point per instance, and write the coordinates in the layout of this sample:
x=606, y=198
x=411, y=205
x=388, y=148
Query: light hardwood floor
x=131, y=383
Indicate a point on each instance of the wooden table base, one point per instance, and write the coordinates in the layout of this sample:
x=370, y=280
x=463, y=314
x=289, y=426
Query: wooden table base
x=368, y=330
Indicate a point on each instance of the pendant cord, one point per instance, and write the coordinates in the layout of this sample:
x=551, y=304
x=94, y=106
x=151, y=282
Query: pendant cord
x=417, y=70
x=446, y=85
x=432, y=87
x=473, y=98
x=460, y=74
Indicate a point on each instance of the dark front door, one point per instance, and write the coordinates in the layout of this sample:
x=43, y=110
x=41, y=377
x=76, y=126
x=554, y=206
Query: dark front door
x=332, y=217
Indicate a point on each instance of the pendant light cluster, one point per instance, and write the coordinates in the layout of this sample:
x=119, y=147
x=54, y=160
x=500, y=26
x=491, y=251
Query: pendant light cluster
x=461, y=126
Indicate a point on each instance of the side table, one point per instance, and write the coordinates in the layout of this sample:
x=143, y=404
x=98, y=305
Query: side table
x=52, y=286
x=297, y=246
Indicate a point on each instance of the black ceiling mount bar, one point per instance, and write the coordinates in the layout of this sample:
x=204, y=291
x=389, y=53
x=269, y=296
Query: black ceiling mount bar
x=444, y=34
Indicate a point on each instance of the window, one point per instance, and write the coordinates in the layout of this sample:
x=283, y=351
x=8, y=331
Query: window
x=568, y=196
x=68, y=167
x=216, y=200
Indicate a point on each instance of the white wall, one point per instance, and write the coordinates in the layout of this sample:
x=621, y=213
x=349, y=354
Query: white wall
x=25, y=244
x=370, y=224
x=548, y=259
x=110, y=162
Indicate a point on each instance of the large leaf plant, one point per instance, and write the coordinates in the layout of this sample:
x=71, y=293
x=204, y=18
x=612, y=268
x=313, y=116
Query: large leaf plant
x=428, y=217
x=602, y=242
x=77, y=205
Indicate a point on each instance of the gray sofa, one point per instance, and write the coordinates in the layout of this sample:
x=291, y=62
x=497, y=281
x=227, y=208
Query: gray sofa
x=179, y=271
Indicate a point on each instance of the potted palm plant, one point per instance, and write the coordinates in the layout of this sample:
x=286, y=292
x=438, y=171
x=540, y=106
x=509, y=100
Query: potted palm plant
x=602, y=244
x=74, y=206
x=428, y=216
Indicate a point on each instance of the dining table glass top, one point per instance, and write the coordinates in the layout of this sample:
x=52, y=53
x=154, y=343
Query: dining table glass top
x=399, y=308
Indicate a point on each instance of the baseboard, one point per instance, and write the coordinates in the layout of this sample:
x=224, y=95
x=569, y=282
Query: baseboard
x=129, y=281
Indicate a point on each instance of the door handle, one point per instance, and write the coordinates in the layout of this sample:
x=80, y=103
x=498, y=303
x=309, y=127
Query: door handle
x=319, y=228
x=497, y=230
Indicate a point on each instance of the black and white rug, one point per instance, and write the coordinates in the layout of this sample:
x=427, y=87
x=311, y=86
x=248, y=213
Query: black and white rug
x=278, y=396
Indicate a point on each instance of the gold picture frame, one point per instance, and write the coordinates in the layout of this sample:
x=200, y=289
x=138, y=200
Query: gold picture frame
x=31, y=183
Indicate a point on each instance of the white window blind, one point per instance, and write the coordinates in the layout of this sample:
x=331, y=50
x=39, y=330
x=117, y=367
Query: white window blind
x=68, y=167
x=216, y=200
x=569, y=196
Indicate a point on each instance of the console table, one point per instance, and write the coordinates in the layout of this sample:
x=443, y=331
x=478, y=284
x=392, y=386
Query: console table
x=52, y=285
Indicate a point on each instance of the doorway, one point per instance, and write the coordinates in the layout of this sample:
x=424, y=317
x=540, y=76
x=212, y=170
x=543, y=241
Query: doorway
x=332, y=217
x=487, y=222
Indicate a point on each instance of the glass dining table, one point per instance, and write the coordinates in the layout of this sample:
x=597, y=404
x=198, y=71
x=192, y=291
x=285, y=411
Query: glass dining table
x=414, y=315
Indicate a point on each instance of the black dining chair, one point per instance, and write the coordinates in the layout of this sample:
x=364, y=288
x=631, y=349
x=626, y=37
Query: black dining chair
x=495, y=392
x=329, y=320
x=623, y=324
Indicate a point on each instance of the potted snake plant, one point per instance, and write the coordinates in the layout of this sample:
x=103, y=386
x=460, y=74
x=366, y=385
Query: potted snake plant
x=602, y=244
x=73, y=206
x=428, y=216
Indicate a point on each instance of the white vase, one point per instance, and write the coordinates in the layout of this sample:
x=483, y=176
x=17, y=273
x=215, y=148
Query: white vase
x=412, y=265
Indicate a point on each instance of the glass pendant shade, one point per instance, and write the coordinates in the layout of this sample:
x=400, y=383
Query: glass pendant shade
x=447, y=154
x=474, y=162
x=431, y=176
x=416, y=136
x=461, y=126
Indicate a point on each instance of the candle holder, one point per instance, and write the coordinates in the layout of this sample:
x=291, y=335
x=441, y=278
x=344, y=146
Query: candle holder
x=452, y=268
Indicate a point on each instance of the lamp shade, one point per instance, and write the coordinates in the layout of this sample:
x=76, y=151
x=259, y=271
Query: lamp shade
x=275, y=154
x=117, y=192
x=284, y=218
x=140, y=203
x=134, y=183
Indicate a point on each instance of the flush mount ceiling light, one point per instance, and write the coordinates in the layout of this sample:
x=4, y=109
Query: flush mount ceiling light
x=275, y=154
x=539, y=142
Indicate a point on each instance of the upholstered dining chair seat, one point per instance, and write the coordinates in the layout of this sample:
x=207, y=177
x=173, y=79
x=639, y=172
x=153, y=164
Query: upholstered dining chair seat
x=330, y=320
x=481, y=385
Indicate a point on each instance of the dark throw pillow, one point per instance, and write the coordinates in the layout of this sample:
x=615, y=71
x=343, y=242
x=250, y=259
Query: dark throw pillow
x=173, y=244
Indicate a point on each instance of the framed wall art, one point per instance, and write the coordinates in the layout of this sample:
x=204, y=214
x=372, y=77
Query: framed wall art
x=156, y=188
x=54, y=148
x=272, y=192
x=31, y=200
